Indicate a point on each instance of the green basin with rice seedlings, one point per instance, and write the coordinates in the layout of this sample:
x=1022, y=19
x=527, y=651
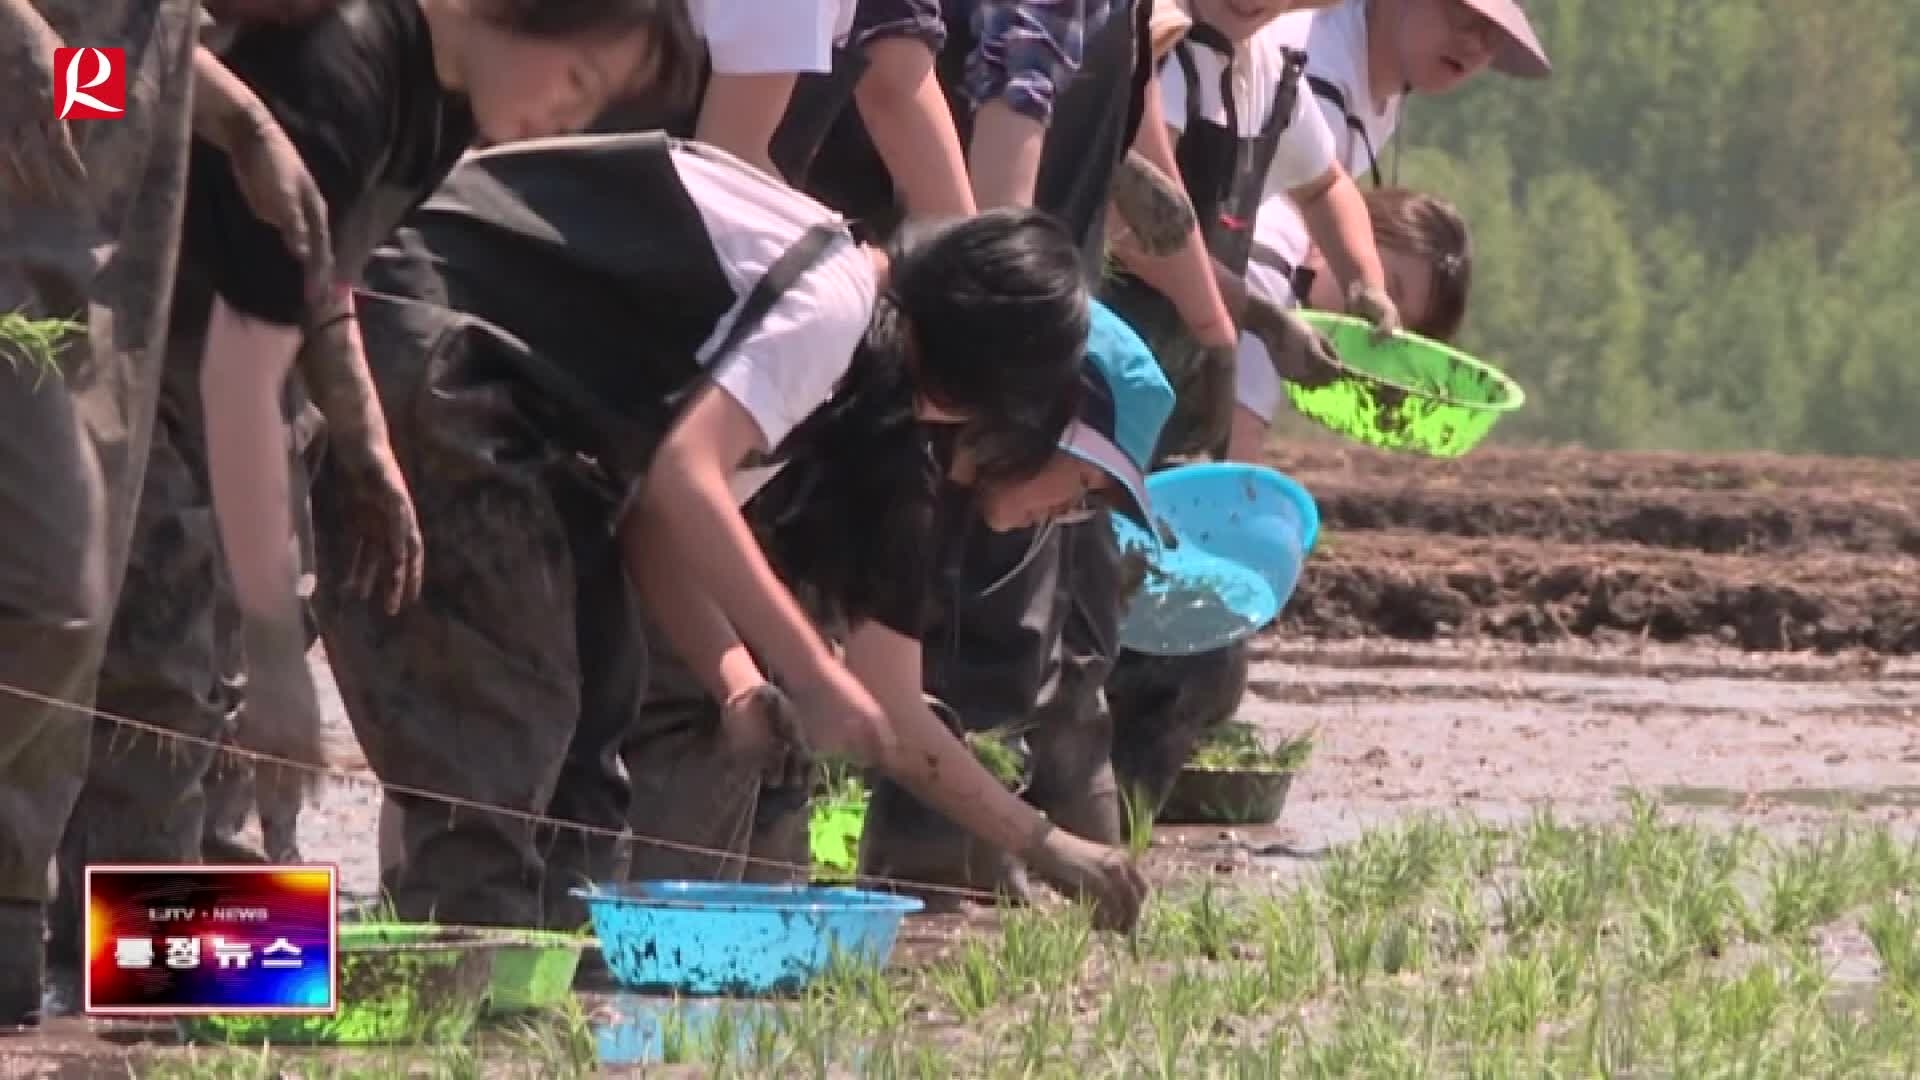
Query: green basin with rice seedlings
x=1410, y=393
x=398, y=983
x=533, y=969
x=1234, y=778
x=838, y=816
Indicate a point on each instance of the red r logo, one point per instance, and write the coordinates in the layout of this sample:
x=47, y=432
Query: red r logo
x=90, y=84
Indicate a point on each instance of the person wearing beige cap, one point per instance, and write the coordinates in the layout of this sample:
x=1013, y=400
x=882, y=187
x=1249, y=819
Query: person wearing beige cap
x=1364, y=58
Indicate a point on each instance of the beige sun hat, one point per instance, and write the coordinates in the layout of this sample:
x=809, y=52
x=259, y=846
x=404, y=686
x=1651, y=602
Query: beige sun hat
x=1521, y=54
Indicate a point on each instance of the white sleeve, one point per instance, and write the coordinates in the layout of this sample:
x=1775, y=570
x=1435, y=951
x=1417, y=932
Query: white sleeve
x=1256, y=382
x=1306, y=149
x=789, y=365
x=768, y=37
x=1173, y=93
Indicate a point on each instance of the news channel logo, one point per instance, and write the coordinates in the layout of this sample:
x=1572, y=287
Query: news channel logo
x=185, y=940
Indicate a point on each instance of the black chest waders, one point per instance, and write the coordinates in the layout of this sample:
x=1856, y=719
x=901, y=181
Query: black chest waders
x=1162, y=705
x=529, y=358
x=1008, y=647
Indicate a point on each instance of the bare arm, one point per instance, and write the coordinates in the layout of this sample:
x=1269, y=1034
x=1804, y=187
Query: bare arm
x=927, y=758
x=920, y=752
x=740, y=113
x=1336, y=218
x=226, y=112
x=695, y=628
x=685, y=491
x=333, y=362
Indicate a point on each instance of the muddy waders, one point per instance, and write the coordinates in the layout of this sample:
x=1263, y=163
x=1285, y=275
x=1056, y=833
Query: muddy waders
x=1162, y=705
x=517, y=677
x=73, y=443
x=1012, y=648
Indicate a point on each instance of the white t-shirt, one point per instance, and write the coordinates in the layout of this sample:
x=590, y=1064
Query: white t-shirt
x=768, y=37
x=1305, y=150
x=790, y=364
x=1336, y=42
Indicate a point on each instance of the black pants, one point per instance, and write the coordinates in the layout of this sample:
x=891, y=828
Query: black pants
x=1032, y=656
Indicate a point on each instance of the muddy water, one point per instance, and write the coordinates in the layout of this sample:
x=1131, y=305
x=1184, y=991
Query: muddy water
x=1501, y=733
x=1784, y=742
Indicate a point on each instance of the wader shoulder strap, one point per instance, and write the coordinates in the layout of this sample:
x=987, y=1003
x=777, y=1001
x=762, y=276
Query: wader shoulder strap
x=1331, y=94
x=799, y=257
x=1299, y=278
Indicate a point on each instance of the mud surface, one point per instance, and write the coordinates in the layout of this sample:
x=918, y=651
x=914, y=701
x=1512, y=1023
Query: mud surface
x=1503, y=634
x=1754, y=551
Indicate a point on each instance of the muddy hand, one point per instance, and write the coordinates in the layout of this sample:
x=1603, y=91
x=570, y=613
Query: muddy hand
x=1374, y=305
x=283, y=707
x=838, y=715
x=38, y=163
x=1299, y=353
x=1088, y=871
x=1153, y=207
x=282, y=193
x=389, y=556
x=761, y=726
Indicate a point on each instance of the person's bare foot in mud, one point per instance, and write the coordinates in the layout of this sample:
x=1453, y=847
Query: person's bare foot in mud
x=1300, y=354
x=1152, y=206
x=1094, y=872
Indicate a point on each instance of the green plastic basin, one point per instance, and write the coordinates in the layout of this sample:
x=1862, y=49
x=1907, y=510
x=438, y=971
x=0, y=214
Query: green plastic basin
x=399, y=983
x=1409, y=394
x=533, y=969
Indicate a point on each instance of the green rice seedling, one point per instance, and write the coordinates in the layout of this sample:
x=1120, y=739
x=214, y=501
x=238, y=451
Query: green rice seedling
x=35, y=344
x=1514, y=994
x=1365, y=1042
x=1355, y=941
x=1403, y=944
x=1894, y=931
x=1290, y=948
x=1123, y=1014
x=1466, y=918
x=970, y=982
x=1040, y=951
x=1811, y=885
x=1213, y=930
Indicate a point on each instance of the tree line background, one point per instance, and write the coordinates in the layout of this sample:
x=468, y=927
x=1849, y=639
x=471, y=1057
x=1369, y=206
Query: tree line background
x=1700, y=234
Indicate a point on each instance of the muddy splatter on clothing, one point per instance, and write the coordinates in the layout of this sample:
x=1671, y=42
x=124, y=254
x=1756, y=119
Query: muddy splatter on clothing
x=73, y=446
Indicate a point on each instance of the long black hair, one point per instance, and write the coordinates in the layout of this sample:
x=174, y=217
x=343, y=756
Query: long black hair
x=985, y=317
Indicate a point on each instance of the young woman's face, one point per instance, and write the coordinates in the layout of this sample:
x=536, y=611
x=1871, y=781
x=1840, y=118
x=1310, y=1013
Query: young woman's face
x=1067, y=488
x=524, y=87
x=1409, y=282
x=1442, y=43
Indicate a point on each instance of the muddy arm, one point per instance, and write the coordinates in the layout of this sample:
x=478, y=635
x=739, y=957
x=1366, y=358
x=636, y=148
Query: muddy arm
x=226, y=112
x=333, y=362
